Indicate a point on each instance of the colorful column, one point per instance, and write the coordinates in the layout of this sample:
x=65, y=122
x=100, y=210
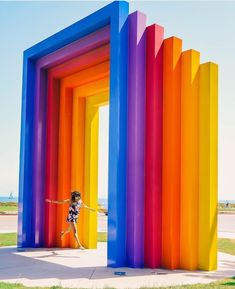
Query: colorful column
x=39, y=159
x=208, y=166
x=135, y=140
x=91, y=166
x=171, y=153
x=153, y=147
x=118, y=138
x=25, y=228
x=51, y=181
x=64, y=163
x=78, y=152
x=190, y=61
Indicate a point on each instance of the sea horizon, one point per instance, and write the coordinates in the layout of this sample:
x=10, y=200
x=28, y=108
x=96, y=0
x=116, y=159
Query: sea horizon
x=103, y=201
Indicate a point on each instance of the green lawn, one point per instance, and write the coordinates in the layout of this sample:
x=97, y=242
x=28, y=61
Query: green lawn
x=102, y=237
x=8, y=207
x=4, y=285
x=225, y=283
x=226, y=246
x=7, y=239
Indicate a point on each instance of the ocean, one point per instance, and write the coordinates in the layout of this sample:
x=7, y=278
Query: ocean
x=225, y=201
x=102, y=201
x=7, y=199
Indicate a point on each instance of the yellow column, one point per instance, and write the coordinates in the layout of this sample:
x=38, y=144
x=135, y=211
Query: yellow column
x=91, y=166
x=208, y=150
x=190, y=61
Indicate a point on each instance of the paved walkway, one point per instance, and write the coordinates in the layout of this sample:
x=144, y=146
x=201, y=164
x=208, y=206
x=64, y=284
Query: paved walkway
x=226, y=224
x=87, y=269
x=8, y=223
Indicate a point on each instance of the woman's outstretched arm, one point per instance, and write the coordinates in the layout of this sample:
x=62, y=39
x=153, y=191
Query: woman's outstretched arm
x=58, y=202
x=85, y=206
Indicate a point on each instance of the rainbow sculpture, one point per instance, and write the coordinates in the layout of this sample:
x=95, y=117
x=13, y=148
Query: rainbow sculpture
x=162, y=182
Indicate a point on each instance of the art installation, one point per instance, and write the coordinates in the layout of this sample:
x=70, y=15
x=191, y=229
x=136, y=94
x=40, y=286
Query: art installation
x=163, y=123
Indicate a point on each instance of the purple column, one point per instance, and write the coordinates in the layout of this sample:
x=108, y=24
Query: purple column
x=136, y=139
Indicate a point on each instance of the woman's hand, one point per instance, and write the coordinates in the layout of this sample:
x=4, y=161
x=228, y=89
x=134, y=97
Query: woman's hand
x=93, y=210
x=48, y=201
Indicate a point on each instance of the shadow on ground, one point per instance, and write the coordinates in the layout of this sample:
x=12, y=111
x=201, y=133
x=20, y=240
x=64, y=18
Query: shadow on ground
x=68, y=264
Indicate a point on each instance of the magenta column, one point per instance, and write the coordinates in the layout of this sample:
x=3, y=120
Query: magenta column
x=153, y=147
x=136, y=140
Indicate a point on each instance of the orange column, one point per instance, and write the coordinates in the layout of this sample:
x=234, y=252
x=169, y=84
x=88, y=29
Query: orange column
x=171, y=153
x=64, y=162
x=190, y=61
x=78, y=151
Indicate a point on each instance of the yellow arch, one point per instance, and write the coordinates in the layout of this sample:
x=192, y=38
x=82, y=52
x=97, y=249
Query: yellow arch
x=85, y=131
x=91, y=165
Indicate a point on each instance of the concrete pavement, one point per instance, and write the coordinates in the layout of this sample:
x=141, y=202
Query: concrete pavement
x=8, y=223
x=87, y=269
x=226, y=224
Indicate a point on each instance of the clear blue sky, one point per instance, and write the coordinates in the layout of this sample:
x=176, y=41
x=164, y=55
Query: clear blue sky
x=205, y=26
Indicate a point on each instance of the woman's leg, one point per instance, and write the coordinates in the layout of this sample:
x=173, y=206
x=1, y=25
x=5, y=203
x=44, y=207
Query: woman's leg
x=63, y=233
x=75, y=233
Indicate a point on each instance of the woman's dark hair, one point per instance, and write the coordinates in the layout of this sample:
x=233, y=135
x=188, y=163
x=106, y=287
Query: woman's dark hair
x=74, y=195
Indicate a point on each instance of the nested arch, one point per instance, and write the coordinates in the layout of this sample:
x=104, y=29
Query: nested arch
x=33, y=129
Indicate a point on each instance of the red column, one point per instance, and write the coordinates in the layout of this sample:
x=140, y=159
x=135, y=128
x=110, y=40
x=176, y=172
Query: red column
x=153, y=147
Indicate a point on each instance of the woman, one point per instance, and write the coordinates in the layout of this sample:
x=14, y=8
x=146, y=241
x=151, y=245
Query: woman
x=75, y=204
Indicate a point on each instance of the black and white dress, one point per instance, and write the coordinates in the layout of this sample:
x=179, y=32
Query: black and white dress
x=74, y=210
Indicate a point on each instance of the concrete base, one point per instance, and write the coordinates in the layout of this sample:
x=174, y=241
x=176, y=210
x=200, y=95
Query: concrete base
x=87, y=269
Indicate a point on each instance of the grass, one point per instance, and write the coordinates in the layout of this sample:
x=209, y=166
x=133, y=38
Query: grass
x=8, y=207
x=226, y=246
x=102, y=237
x=4, y=285
x=225, y=283
x=7, y=239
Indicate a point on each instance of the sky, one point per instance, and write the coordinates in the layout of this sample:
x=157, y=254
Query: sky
x=205, y=26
